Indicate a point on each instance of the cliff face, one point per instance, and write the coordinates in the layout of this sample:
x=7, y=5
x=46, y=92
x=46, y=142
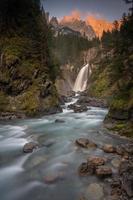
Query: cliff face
x=65, y=82
x=80, y=26
x=99, y=25
x=107, y=83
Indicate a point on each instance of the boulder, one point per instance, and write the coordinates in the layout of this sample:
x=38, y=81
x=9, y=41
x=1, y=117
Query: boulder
x=85, y=143
x=96, y=161
x=116, y=162
x=129, y=149
x=108, y=148
x=86, y=169
x=103, y=171
x=126, y=173
x=120, y=150
x=94, y=192
x=94, y=102
x=78, y=108
x=59, y=121
x=29, y=147
x=51, y=179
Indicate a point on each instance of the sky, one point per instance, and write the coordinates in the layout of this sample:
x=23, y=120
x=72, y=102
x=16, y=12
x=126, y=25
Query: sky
x=107, y=9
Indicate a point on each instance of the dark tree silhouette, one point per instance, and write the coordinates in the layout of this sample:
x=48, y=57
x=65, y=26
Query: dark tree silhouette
x=130, y=2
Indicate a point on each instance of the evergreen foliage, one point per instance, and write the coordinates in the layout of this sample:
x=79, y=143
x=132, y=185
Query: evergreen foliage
x=25, y=60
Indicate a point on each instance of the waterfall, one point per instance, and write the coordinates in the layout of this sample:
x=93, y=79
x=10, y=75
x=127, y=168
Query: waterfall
x=81, y=81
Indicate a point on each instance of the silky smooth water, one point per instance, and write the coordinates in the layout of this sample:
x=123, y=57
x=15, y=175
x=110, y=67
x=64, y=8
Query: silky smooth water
x=23, y=176
x=81, y=80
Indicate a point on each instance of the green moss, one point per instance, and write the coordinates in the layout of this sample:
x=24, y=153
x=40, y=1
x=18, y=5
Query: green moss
x=120, y=126
x=119, y=104
x=101, y=85
x=4, y=101
x=27, y=68
x=123, y=128
x=29, y=101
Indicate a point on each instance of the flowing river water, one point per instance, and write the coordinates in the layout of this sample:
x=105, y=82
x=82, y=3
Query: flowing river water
x=24, y=176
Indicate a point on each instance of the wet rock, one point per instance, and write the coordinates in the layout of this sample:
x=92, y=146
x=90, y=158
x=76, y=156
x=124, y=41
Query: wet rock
x=78, y=108
x=35, y=161
x=103, y=171
x=122, y=184
x=120, y=150
x=49, y=143
x=85, y=143
x=88, y=101
x=116, y=162
x=59, y=121
x=94, y=192
x=126, y=172
x=108, y=148
x=86, y=169
x=82, y=142
x=11, y=116
x=127, y=185
x=129, y=149
x=29, y=147
x=51, y=179
x=52, y=110
x=96, y=161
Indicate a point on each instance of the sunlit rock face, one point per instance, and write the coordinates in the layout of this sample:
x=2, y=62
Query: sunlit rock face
x=61, y=29
x=89, y=25
x=99, y=25
x=80, y=26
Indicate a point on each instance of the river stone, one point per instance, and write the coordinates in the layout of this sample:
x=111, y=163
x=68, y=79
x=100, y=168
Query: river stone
x=59, y=121
x=103, y=171
x=49, y=143
x=94, y=192
x=96, y=161
x=29, y=147
x=108, y=148
x=126, y=172
x=129, y=149
x=86, y=169
x=34, y=161
x=120, y=150
x=85, y=143
x=51, y=179
x=116, y=162
x=79, y=109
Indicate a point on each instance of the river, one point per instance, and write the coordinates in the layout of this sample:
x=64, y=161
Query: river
x=24, y=176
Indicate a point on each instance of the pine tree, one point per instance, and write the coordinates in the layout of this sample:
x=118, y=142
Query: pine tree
x=130, y=2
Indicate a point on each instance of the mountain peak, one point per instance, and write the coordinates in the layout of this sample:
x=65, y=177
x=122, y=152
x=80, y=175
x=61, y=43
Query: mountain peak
x=79, y=25
x=99, y=25
x=54, y=22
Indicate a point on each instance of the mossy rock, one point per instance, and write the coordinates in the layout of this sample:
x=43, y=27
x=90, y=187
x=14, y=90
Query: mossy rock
x=4, y=102
x=29, y=101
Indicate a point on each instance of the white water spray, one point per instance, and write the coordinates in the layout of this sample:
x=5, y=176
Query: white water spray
x=81, y=81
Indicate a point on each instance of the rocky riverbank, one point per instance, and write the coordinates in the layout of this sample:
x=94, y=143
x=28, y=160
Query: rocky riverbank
x=119, y=181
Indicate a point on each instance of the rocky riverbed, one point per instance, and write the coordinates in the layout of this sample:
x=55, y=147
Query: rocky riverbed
x=68, y=155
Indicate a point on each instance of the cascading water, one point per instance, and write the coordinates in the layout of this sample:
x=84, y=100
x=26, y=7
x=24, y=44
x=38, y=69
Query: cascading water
x=81, y=81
